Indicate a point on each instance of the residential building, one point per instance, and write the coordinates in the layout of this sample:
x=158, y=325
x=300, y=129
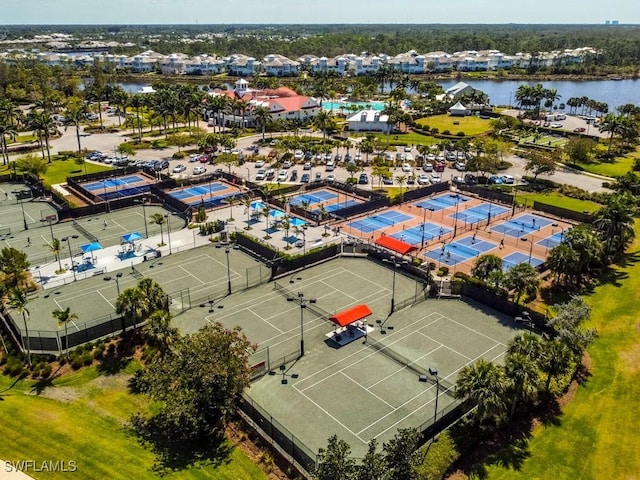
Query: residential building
x=369, y=121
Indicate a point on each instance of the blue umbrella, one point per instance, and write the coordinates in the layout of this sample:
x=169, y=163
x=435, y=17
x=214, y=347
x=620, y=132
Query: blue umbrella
x=90, y=247
x=132, y=237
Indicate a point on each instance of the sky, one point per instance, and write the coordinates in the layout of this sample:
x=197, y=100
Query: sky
x=316, y=11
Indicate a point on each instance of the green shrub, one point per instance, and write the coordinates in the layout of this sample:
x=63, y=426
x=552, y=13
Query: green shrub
x=178, y=155
x=76, y=363
x=435, y=131
x=87, y=359
x=460, y=134
x=443, y=271
x=446, y=132
x=438, y=458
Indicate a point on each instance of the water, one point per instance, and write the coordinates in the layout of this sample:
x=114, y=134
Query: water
x=345, y=106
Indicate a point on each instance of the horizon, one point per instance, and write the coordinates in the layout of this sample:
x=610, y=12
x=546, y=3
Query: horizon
x=309, y=12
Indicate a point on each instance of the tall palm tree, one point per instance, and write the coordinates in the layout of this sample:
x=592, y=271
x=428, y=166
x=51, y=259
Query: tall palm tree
x=42, y=123
x=155, y=295
x=262, y=116
x=55, y=247
x=522, y=374
x=615, y=222
x=158, y=219
x=555, y=360
x=484, y=383
x=73, y=116
x=159, y=331
x=18, y=301
x=612, y=124
x=64, y=317
x=324, y=122
x=523, y=279
x=7, y=130
x=137, y=102
x=132, y=304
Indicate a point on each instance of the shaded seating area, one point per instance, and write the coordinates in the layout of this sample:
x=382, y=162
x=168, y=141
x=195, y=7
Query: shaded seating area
x=350, y=325
x=395, y=245
x=128, y=247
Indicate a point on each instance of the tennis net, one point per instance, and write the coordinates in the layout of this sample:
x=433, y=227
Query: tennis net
x=88, y=235
x=384, y=220
x=135, y=272
x=285, y=292
x=408, y=364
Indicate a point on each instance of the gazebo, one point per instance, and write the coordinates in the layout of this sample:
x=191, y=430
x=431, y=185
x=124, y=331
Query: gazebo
x=350, y=325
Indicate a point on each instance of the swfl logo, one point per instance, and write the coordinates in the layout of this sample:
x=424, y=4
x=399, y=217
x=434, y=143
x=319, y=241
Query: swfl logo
x=37, y=466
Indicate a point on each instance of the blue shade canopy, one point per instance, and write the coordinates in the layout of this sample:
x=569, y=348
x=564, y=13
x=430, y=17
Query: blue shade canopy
x=90, y=247
x=131, y=237
x=276, y=213
x=296, y=222
x=257, y=204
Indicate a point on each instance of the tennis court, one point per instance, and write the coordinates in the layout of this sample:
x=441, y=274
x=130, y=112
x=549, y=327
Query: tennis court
x=316, y=196
x=516, y=258
x=552, y=240
x=209, y=195
x=363, y=390
x=118, y=187
x=460, y=250
x=522, y=225
x=110, y=183
x=443, y=201
x=383, y=220
x=337, y=206
x=424, y=232
x=484, y=211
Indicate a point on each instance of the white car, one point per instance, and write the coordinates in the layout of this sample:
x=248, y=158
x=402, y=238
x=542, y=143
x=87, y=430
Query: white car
x=179, y=168
x=282, y=176
x=199, y=170
x=508, y=179
x=259, y=164
x=194, y=157
x=331, y=177
x=286, y=164
x=556, y=125
x=460, y=166
x=409, y=157
x=406, y=167
x=298, y=155
x=432, y=158
x=261, y=175
x=435, y=178
x=407, y=149
x=423, y=179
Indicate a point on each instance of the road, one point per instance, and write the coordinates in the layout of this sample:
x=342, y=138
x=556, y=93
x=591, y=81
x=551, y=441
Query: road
x=108, y=142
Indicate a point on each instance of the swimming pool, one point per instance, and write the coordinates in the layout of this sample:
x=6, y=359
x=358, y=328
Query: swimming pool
x=345, y=106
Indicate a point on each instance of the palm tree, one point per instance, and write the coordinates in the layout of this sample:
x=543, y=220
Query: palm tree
x=563, y=261
x=6, y=130
x=132, y=305
x=158, y=219
x=154, y=294
x=262, y=116
x=55, y=247
x=484, y=384
x=73, y=116
x=401, y=180
x=522, y=374
x=485, y=265
x=555, y=360
x=64, y=317
x=159, y=331
x=589, y=248
x=615, y=222
x=18, y=301
x=137, y=102
x=324, y=122
x=523, y=279
x=42, y=123
x=612, y=124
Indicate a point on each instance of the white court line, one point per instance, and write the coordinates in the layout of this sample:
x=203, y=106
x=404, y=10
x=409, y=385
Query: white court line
x=367, y=390
x=329, y=415
x=265, y=320
x=475, y=331
x=105, y=298
x=443, y=345
x=190, y=275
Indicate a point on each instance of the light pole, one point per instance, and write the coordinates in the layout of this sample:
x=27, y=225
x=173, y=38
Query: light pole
x=144, y=215
x=68, y=240
x=20, y=196
x=248, y=175
x=50, y=227
x=226, y=250
x=455, y=224
x=395, y=265
x=167, y=217
x=424, y=220
x=118, y=275
x=303, y=304
x=525, y=239
x=423, y=378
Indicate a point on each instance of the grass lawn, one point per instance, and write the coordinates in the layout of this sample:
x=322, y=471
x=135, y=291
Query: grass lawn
x=617, y=168
x=597, y=435
x=59, y=170
x=559, y=200
x=83, y=417
x=410, y=138
x=470, y=125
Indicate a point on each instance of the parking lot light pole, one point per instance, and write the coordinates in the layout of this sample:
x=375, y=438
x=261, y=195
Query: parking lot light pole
x=226, y=250
x=395, y=265
x=68, y=241
x=144, y=215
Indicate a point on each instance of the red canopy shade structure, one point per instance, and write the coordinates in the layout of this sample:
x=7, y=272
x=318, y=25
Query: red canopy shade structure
x=350, y=315
x=396, y=245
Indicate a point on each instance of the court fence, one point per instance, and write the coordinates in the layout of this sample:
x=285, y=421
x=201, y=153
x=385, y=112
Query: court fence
x=425, y=191
x=582, y=217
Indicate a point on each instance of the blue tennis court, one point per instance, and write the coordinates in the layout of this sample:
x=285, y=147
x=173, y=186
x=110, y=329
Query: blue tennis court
x=460, y=251
x=516, y=258
x=316, y=197
x=337, y=206
x=517, y=227
x=443, y=201
x=113, y=183
x=416, y=235
x=199, y=191
x=552, y=240
x=377, y=222
x=479, y=213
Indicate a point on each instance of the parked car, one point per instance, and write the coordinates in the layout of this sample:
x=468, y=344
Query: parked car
x=579, y=129
x=204, y=159
x=259, y=164
x=338, y=158
x=161, y=165
x=306, y=166
x=458, y=180
x=470, y=179
x=387, y=180
x=432, y=158
x=331, y=166
x=406, y=167
x=282, y=176
x=318, y=177
x=271, y=174
x=439, y=167
x=199, y=170
x=508, y=179
x=363, y=179
x=347, y=157
x=495, y=179
x=286, y=164
x=308, y=155
x=460, y=166
x=261, y=175
x=435, y=178
x=556, y=125
x=427, y=167
x=409, y=157
x=298, y=155
x=179, y=168
x=294, y=175
x=388, y=156
x=423, y=179
x=194, y=157
x=411, y=180
x=331, y=177
x=304, y=178
x=327, y=156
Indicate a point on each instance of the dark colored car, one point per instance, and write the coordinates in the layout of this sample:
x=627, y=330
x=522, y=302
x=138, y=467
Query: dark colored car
x=305, y=178
x=470, y=179
x=294, y=175
x=364, y=179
